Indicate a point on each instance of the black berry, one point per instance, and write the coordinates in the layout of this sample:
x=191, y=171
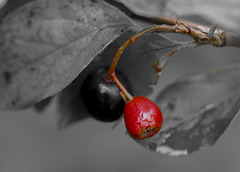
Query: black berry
x=101, y=97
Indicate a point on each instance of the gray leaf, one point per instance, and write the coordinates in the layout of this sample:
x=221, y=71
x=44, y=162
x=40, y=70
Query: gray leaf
x=227, y=15
x=197, y=109
x=45, y=44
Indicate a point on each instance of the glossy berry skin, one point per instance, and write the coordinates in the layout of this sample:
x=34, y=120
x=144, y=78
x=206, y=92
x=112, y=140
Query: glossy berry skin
x=101, y=97
x=142, y=117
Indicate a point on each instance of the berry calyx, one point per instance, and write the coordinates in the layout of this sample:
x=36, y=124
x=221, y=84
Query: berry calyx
x=142, y=117
x=101, y=96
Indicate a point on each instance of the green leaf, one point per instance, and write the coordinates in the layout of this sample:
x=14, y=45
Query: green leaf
x=44, y=45
x=197, y=109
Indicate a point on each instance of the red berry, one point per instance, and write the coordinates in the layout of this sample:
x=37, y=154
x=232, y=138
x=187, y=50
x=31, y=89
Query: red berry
x=142, y=117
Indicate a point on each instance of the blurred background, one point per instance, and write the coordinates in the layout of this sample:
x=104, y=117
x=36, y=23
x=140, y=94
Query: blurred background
x=31, y=142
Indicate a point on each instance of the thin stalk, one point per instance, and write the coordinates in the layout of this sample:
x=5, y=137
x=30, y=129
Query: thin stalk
x=162, y=28
x=122, y=88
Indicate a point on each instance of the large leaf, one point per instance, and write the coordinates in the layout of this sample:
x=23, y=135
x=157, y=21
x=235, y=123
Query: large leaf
x=136, y=63
x=225, y=13
x=45, y=44
x=197, y=109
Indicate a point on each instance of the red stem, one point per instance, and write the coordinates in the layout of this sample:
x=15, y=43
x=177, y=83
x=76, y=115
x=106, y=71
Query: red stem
x=122, y=88
x=199, y=36
x=162, y=28
x=111, y=70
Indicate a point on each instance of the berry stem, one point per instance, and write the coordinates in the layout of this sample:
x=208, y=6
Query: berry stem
x=162, y=19
x=116, y=58
x=111, y=72
x=124, y=97
x=122, y=88
x=199, y=36
x=163, y=28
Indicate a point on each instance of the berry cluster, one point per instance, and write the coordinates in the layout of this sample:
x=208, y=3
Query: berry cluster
x=103, y=95
x=103, y=99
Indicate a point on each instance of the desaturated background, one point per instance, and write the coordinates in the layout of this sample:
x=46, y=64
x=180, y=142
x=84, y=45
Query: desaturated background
x=30, y=142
